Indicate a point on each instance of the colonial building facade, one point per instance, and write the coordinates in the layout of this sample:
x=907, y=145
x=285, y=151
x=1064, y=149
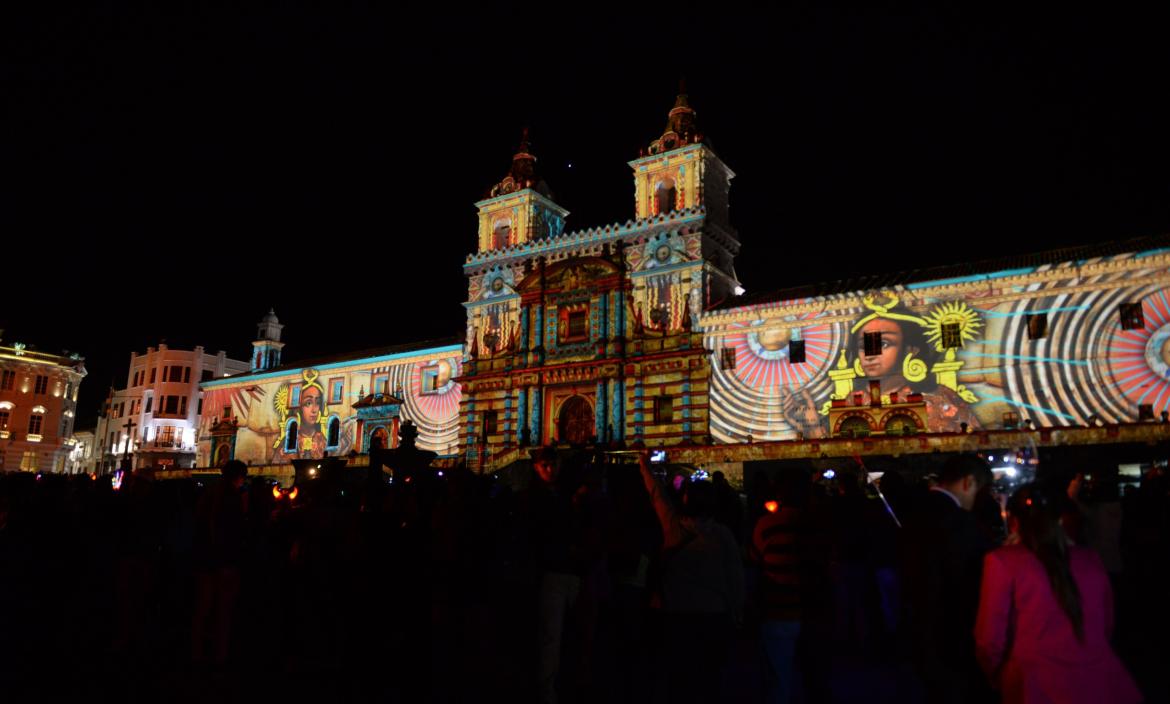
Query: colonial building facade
x=593, y=334
x=634, y=332
x=153, y=420
x=38, y=405
x=334, y=406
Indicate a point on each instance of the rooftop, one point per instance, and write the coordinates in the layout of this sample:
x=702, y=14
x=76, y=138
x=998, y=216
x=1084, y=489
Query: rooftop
x=952, y=271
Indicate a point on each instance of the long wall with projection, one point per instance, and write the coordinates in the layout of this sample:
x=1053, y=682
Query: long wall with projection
x=1055, y=344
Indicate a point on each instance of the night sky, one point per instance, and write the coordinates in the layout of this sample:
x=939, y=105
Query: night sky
x=173, y=173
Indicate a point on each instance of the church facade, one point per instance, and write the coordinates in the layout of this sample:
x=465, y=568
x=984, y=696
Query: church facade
x=634, y=333
x=638, y=334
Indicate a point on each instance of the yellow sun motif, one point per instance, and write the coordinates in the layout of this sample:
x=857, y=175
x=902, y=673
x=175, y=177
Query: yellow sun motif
x=950, y=313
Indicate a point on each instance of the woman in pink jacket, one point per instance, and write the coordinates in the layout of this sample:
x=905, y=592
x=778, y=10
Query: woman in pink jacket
x=1046, y=614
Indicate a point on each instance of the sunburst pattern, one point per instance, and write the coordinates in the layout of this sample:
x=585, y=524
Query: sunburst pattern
x=1139, y=360
x=762, y=353
x=949, y=313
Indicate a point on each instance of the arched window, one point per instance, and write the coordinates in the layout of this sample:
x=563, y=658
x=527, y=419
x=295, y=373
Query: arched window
x=501, y=234
x=855, y=427
x=334, y=433
x=290, y=438
x=664, y=192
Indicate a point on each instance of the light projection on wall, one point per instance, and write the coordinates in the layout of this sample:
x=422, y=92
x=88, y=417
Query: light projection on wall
x=973, y=360
x=267, y=416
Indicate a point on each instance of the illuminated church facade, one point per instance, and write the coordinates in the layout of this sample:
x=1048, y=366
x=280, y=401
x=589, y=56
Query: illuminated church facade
x=638, y=334
x=634, y=333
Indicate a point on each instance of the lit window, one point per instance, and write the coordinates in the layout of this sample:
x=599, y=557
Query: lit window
x=381, y=384
x=796, y=351
x=294, y=396
x=1132, y=317
x=951, y=336
x=4, y=419
x=336, y=387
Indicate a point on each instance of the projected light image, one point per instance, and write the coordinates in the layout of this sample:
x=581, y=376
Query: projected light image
x=1057, y=356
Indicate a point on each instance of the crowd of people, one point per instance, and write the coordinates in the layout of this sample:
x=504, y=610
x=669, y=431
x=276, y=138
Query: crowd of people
x=584, y=579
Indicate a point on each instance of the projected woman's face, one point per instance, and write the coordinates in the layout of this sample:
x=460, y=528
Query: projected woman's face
x=310, y=406
x=888, y=362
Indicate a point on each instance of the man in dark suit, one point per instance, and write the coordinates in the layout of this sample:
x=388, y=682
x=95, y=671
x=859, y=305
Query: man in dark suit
x=942, y=558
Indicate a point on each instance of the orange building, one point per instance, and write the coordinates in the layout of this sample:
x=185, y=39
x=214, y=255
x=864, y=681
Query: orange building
x=38, y=402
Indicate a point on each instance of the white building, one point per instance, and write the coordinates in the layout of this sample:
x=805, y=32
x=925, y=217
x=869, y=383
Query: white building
x=153, y=420
x=80, y=452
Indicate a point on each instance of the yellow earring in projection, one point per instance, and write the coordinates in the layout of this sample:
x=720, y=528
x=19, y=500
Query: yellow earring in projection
x=913, y=370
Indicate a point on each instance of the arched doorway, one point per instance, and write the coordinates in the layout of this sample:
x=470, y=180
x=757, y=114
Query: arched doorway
x=575, y=423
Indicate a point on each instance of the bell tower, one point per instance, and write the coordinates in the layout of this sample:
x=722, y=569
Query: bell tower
x=520, y=207
x=679, y=170
x=267, y=345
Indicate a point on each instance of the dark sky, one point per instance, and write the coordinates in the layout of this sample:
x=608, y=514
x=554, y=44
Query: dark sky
x=173, y=173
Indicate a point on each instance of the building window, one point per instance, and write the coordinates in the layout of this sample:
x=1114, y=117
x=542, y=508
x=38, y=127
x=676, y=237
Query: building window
x=334, y=436
x=149, y=402
x=205, y=375
x=872, y=344
x=28, y=462
x=381, y=384
x=34, y=424
x=336, y=387
x=166, y=436
x=176, y=373
x=290, y=441
x=183, y=406
x=951, y=336
x=727, y=358
x=577, y=322
x=172, y=405
x=3, y=419
x=665, y=193
x=796, y=352
x=490, y=423
x=186, y=375
x=68, y=389
x=152, y=371
x=42, y=385
x=1037, y=326
x=227, y=412
x=294, y=395
x=199, y=407
x=8, y=380
x=501, y=234
x=1132, y=317
x=664, y=409
x=122, y=409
